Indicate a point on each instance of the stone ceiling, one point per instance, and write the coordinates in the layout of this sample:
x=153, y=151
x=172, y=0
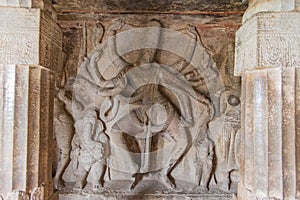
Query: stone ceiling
x=149, y=6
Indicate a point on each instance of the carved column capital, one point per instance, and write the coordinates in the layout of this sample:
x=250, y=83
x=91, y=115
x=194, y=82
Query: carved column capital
x=268, y=40
x=258, y=6
x=26, y=3
x=29, y=36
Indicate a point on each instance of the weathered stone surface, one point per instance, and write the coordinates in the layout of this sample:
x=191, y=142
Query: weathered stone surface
x=16, y=3
x=26, y=118
x=29, y=36
x=42, y=4
x=268, y=40
x=50, y=44
x=216, y=34
x=149, y=197
x=268, y=150
x=197, y=164
x=105, y=6
x=148, y=189
x=19, y=36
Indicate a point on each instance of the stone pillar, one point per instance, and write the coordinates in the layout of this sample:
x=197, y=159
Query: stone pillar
x=268, y=59
x=26, y=130
x=30, y=52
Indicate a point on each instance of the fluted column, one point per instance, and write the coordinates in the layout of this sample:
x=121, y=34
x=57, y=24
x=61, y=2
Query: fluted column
x=268, y=59
x=271, y=159
x=26, y=129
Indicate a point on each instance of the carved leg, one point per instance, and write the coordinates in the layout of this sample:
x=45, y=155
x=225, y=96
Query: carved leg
x=62, y=164
x=165, y=176
x=63, y=140
x=79, y=185
x=96, y=175
x=224, y=181
x=81, y=174
x=199, y=173
x=179, y=150
x=137, y=178
x=207, y=169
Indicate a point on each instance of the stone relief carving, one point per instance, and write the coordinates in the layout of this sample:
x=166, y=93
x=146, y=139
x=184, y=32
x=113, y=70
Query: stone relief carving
x=35, y=194
x=19, y=195
x=227, y=142
x=204, y=160
x=63, y=129
x=141, y=115
x=90, y=149
x=225, y=128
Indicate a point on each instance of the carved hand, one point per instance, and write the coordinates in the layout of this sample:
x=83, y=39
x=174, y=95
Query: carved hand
x=61, y=94
x=118, y=24
x=95, y=57
x=186, y=121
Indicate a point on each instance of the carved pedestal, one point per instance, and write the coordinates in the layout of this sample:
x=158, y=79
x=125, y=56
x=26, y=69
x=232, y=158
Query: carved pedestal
x=267, y=55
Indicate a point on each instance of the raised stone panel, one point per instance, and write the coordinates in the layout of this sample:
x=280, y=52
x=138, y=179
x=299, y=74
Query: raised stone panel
x=27, y=131
x=268, y=40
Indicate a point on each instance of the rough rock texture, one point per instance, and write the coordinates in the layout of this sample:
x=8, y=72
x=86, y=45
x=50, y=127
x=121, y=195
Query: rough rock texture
x=136, y=6
x=149, y=197
x=216, y=32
